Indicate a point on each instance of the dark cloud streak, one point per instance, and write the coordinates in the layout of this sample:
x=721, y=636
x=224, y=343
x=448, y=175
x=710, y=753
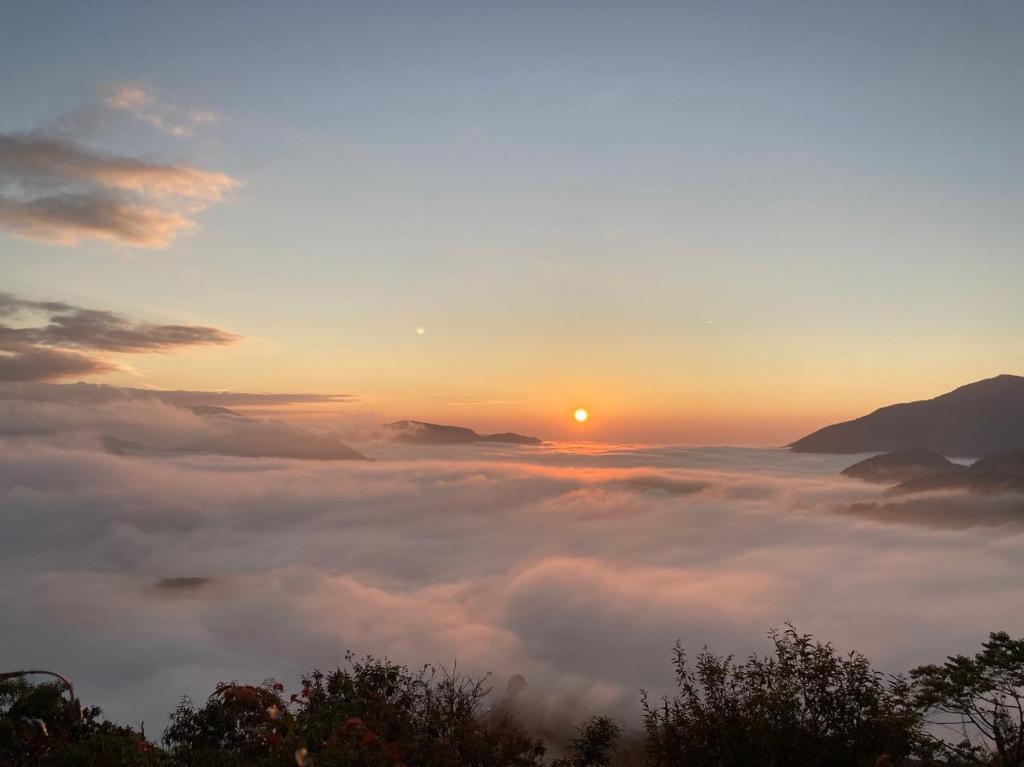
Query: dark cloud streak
x=54, y=350
x=40, y=364
x=93, y=394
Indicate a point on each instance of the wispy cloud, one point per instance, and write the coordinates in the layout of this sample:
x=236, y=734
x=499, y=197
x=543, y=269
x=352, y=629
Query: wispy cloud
x=37, y=160
x=98, y=394
x=70, y=219
x=54, y=189
x=138, y=100
x=54, y=349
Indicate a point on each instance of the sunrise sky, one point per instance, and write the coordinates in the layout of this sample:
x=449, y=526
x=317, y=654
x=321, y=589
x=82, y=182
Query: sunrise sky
x=703, y=222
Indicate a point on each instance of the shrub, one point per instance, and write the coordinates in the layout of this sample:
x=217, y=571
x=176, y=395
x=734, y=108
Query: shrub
x=805, y=705
x=372, y=713
x=594, y=745
x=41, y=726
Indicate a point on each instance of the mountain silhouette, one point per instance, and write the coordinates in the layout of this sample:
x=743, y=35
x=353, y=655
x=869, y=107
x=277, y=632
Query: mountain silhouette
x=1010, y=462
x=900, y=466
x=214, y=410
x=919, y=471
x=970, y=480
x=422, y=433
x=973, y=420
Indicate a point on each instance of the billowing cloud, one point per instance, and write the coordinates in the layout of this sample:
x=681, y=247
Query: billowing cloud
x=145, y=577
x=68, y=219
x=56, y=190
x=54, y=349
x=159, y=423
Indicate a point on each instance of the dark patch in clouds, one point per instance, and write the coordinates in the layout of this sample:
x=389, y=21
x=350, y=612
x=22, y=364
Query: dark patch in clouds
x=54, y=349
x=659, y=483
x=182, y=584
x=949, y=511
x=54, y=189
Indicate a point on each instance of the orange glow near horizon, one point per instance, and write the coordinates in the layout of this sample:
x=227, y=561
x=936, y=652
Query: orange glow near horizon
x=703, y=407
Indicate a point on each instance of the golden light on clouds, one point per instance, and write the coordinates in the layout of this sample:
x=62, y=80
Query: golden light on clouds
x=581, y=415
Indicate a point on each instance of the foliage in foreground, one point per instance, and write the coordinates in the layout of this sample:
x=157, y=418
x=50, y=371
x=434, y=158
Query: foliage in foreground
x=41, y=725
x=803, y=705
x=979, y=700
x=373, y=713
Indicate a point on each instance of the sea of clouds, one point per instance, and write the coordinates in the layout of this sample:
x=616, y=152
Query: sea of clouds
x=152, y=575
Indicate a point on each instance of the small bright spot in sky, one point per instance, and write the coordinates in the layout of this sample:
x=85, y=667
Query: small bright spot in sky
x=420, y=330
x=581, y=415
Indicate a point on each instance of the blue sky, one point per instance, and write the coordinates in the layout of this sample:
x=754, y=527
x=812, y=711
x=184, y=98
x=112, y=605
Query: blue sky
x=706, y=221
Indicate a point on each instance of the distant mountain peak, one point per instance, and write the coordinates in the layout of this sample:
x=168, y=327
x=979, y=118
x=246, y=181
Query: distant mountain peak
x=900, y=465
x=982, y=417
x=919, y=471
x=423, y=433
x=214, y=410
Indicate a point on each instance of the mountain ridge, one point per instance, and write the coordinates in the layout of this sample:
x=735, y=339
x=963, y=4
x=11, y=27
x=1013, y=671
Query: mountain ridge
x=972, y=420
x=423, y=433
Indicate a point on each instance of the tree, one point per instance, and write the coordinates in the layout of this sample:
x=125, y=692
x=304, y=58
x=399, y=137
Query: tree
x=594, y=745
x=238, y=725
x=803, y=706
x=980, y=698
x=43, y=724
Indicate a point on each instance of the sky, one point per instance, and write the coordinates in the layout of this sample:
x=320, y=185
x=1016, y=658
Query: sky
x=707, y=223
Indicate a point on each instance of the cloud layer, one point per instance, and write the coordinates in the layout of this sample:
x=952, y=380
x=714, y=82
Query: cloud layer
x=65, y=344
x=56, y=190
x=148, y=577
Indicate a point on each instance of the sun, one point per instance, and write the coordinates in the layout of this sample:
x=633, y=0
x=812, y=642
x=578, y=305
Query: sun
x=581, y=415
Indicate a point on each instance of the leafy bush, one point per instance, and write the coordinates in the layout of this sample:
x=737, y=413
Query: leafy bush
x=40, y=726
x=805, y=705
x=372, y=713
